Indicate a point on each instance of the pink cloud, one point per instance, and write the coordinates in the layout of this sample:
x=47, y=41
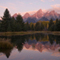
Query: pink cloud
x=52, y=0
x=42, y=0
x=47, y=0
x=44, y=10
x=21, y=2
x=3, y=7
x=10, y=6
x=31, y=3
x=56, y=7
x=33, y=12
x=30, y=12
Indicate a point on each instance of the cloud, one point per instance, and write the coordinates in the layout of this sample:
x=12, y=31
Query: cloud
x=33, y=12
x=31, y=3
x=9, y=5
x=56, y=7
x=44, y=10
x=30, y=12
x=42, y=0
x=21, y=2
x=52, y=0
x=47, y=0
x=3, y=7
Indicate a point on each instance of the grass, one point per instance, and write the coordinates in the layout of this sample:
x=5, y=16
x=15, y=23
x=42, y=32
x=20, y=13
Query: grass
x=18, y=33
x=5, y=45
x=28, y=32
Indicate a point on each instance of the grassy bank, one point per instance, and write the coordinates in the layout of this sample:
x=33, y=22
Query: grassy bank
x=28, y=32
x=5, y=45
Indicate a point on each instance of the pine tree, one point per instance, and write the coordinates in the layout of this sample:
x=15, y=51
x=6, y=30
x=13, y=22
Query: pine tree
x=37, y=26
x=51, y=23
x=13, y=24
x=57, y=20
x=19, y=23
x=57, y=26
x=32, y=27
x=6, y=19
x=27, y=26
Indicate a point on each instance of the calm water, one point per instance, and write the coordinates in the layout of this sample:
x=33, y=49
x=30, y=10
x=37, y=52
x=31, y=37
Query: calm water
x=31, y=47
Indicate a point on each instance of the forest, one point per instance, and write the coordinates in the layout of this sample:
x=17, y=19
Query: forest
x=11, y=24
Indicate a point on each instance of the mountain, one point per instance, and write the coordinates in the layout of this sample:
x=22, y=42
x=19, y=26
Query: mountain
x=43, y=19
x=39, y=14
x=15, y=15
x=33, y=20
x=51, y=14
x=26, y=16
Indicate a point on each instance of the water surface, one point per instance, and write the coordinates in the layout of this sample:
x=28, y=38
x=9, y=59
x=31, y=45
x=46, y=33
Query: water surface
x=31, y=47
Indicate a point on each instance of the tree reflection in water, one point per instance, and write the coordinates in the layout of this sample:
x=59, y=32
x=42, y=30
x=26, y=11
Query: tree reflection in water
x=7, y=52
x=37, y=41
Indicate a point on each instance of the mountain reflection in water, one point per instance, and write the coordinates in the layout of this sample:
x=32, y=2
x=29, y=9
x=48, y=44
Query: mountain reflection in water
x=28, y=44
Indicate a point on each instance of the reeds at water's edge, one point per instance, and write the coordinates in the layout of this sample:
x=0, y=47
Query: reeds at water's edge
x=5, y=45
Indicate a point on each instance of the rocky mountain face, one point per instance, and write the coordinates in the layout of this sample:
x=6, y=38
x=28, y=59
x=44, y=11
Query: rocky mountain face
x=26, y=16
x=15, y=15
x=51, y=14
x=40, y=15
x=43, y=19
x=29, y=20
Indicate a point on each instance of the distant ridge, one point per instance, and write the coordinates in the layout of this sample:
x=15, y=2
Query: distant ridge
x=39, y=15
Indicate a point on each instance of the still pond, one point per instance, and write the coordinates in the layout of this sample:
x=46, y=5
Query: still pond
x=31, y=47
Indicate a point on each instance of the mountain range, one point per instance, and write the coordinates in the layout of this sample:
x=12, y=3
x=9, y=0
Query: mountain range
x=40, y=46
x=40, y=15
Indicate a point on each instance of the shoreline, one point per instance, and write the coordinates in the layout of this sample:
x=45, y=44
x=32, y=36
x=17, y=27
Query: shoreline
x=28, y=32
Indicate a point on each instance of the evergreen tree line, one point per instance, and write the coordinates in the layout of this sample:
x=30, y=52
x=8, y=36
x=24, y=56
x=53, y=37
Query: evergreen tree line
x=9, y=23
x=54, y=26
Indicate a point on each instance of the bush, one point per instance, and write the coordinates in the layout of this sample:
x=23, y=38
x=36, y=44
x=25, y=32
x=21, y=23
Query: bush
x=5, y=45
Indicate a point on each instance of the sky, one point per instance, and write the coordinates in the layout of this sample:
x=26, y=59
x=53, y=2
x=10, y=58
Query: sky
x=31, y=6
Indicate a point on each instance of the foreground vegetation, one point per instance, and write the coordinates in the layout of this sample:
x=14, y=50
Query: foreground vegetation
x=28, y=32
x=5, y=45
